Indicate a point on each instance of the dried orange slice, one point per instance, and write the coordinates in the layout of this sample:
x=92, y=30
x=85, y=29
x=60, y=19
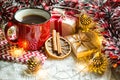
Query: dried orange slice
x=65, y=47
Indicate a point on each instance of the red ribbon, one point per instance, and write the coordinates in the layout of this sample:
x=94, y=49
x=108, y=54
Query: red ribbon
x=57, y=22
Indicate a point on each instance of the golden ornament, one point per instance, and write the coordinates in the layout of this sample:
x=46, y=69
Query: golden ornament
x=33, y=64
x=86, y=22
x=98, y=64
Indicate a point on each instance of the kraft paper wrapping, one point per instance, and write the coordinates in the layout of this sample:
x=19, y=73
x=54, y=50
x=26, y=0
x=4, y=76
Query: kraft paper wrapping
x=84, y=43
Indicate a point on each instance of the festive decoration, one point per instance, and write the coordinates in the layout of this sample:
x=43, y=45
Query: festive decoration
x=71, y=6
x=24, y=44
x=98, y=64
x=64, y=24
x=108, y=15
x=57, y=46
x=16, y=52
x=84, y=44
x=86, y=22
x=33, y=64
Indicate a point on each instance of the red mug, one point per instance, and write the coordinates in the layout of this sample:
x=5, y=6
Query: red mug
x=32, y=28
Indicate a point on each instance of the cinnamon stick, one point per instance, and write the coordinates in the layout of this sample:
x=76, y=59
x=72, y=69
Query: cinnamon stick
x=58, y=43
x=54, y=40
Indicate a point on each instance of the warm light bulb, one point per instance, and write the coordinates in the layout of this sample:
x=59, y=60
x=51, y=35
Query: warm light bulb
x=23, y=44
x=17, y=52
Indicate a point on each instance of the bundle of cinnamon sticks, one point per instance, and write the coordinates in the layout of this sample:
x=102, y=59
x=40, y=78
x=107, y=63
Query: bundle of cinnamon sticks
x=56, y=42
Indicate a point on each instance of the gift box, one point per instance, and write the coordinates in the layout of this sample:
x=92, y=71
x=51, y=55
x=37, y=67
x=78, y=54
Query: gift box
x=84, y=44
x=64, y=24
x=5, y=54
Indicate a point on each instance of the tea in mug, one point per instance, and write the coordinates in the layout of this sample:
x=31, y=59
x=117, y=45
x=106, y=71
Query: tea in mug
x=32, y=28
x=33, y=19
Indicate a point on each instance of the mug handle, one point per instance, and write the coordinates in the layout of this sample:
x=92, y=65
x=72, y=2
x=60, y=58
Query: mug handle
x=7, y=27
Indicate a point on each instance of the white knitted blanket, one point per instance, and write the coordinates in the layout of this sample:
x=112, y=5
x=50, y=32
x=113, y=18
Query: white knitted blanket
x=66, y=69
